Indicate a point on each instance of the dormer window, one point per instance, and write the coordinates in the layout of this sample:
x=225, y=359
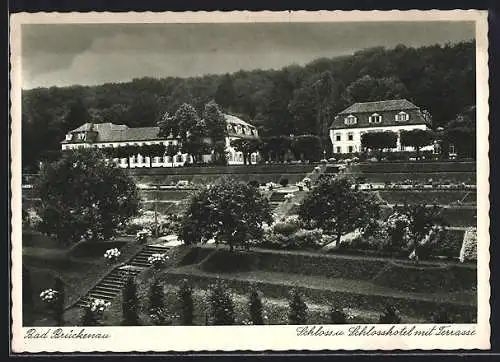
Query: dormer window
x=375, y=118
x=350, y=119
x=230, y=128
x=402, y=116
x=238, y=129
x=68, y=137
x=248, y=131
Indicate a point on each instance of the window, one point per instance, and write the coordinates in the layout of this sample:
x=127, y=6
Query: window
x=452, y=150
x=402, y=116
x=350, y=119
x=338, y=149
x=350, y=136
x=337, y=137
x=230, y=128
x=375, y=118
x=350, y=149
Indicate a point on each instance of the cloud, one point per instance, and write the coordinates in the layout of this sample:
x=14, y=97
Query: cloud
x=99, y=53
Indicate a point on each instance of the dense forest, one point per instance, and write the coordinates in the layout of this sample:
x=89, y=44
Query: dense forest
x=293, y=100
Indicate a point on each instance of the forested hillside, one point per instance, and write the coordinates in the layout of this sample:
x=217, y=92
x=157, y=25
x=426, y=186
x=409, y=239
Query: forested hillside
x=293, y=100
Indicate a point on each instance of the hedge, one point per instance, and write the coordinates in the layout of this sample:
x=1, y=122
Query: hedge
x=164, y=195
x=453, y=216
x=166, y=179
x=382, y=177
x=425, y=280
x=224, y=170
x=429, y=197
x=417, y=167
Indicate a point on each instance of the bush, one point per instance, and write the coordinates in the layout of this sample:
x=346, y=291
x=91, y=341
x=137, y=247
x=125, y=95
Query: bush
x=156, y=295
x=221, y=305
x=253, y=183
x=297, y=308
x=441, y=316
x=130, y=303
x=89, y=319
x=186, y=306
x=390, y=316
x=337, y=316
x=59, y=302
x=285, y=228
x=255, y=307
x=284, y=182
x=302, y=239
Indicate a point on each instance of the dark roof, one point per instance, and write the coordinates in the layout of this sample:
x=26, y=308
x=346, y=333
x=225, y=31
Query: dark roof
x=110, y=132
x=380, y=106
x=362, y=110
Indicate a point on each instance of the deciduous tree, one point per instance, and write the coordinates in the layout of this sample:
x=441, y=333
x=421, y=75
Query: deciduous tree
x=417, y=138
x=229, y=212
x=337, y=207
x=85, y=197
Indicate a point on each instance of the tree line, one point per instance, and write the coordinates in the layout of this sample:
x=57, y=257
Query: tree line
x=293, y=100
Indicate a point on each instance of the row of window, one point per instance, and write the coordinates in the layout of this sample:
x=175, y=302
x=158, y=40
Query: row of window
x=239, y=129
x=376, y=118
x=350, y=137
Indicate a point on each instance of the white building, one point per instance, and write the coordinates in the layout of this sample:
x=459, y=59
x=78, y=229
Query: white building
x=109, y=135
x=391, y=115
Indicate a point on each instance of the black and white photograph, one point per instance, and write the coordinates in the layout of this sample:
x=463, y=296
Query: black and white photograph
x=326, y=177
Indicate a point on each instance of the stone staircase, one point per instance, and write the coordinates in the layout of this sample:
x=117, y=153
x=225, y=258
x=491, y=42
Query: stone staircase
x=141, y=259
x=111, y=285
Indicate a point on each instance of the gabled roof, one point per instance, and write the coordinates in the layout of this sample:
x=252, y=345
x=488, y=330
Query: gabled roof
x=380, y=106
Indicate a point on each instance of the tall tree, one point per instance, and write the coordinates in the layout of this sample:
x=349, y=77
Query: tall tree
x=461, y=132
x=216, y=128
x=369, y=89
x=336, y=207
x=84, y=197
x=247, y=147
x=379, y=141
x=307, y=147
x=229, y=212
x=417, y=138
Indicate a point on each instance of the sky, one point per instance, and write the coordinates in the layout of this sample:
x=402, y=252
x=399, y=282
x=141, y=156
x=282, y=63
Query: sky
x=91, y=54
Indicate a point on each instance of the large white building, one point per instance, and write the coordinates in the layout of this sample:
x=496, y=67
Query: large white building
x=391, y=115
x=110, y=135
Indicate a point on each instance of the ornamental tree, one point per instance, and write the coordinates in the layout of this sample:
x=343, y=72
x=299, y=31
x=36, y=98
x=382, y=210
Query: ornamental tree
x=230, y=212
x=417, y=138
x=297, y=308
x=186, y=303
x=130, y=303
x=216, y=128
x=337, y=207
x=379, y=140
x=255, y=307
x=307, y=147
x=84, y=197
x=247, y=147
x=221, y=305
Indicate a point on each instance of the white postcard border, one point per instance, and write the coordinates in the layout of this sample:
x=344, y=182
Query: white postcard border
x=251, y=338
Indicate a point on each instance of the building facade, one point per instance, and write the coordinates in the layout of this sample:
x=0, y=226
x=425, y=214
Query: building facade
x=110, y=135
x=391, y=115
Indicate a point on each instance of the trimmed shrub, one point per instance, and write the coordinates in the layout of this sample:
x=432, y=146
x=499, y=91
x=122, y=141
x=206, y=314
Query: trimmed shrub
x=186, y=304
x=285, y=228
x=337, y=316
x=156, y=295
x=89, y=318
x=255, y=307
x=221, y=305
x=390, y=316
x=441, y=316
x=284, y=182
x=130, y=303
x=59, y=302
x=297, y=308
x=305, y=239
x=253, y=183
